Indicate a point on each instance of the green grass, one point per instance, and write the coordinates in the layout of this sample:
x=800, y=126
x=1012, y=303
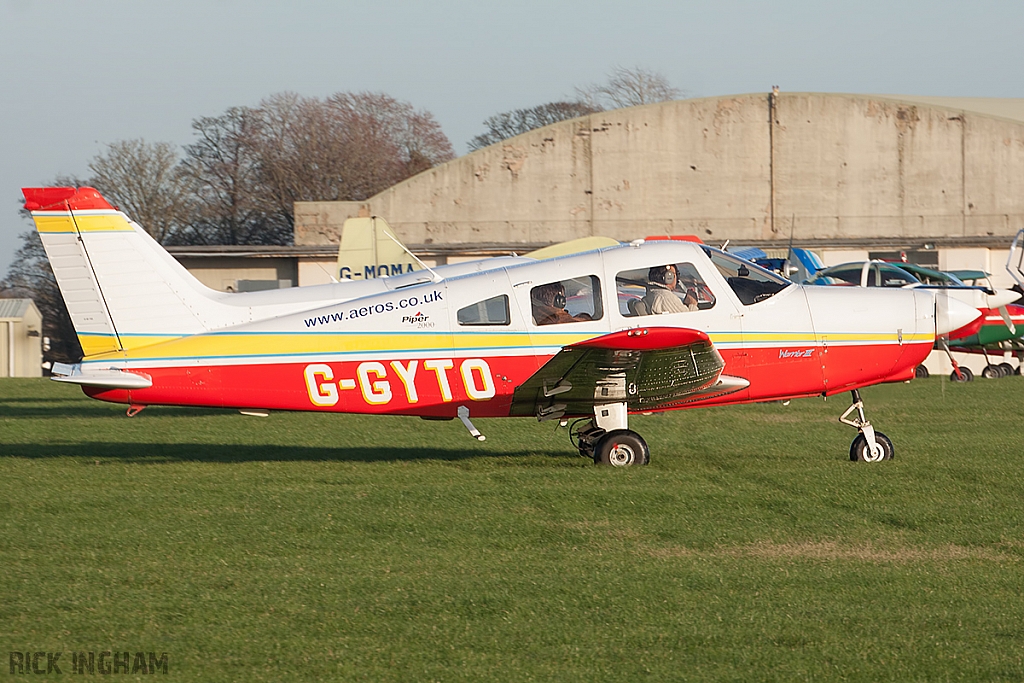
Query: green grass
x=316, y=547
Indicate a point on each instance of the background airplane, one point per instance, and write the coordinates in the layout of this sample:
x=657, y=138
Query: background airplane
x=561, y=338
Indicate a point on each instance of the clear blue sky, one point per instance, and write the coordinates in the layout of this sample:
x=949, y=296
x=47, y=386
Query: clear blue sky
x=75, y=76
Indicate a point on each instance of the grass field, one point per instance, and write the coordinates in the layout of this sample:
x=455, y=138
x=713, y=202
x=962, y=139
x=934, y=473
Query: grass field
x=314, y=547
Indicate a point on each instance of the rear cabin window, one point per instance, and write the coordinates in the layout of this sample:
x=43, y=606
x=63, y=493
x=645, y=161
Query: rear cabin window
x=751, y=283
x=669, y=288
x=567, y=301
x=493, y=311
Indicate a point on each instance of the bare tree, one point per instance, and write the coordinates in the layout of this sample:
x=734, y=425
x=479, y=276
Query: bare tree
x=349, y=146
x=511, y=123
x=629, y=88
x=238, y=180
x=145, y=180
x=30, y=276
x=224, y=168
x=386, y=140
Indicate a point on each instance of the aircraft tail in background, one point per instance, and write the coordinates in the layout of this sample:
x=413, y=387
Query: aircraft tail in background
x=369, y=249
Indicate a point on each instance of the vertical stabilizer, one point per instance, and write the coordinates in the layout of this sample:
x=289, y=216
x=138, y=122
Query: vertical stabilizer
x=121, y=288
x=370, y=249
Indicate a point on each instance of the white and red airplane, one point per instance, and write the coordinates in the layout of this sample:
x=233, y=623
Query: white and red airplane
x=635, y=328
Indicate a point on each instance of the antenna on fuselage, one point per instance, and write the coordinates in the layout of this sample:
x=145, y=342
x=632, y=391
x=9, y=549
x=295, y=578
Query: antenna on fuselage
x=434, y=276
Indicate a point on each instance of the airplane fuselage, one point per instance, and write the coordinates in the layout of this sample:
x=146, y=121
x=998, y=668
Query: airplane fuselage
x=471, y=340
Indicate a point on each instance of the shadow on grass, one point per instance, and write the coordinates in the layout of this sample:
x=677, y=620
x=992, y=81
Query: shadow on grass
x=62, y=408
x=156, y=453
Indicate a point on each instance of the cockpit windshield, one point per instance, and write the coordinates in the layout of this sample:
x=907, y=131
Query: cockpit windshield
x=750, y=282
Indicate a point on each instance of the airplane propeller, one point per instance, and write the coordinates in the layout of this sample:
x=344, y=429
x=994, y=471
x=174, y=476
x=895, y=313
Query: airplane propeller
x=1015, y=259
x=1005, y=314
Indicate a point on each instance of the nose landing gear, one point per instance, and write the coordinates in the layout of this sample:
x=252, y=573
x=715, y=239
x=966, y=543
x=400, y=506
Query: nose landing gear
x=869, y=446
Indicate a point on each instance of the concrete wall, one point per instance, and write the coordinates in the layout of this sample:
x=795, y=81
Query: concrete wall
x=824, y=167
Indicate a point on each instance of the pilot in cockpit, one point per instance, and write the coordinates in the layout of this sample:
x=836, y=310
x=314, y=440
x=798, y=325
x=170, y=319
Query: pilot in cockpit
x=662, y=288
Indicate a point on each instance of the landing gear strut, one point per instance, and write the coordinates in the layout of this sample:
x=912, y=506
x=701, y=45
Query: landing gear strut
x=869, y=446
x=607, y=440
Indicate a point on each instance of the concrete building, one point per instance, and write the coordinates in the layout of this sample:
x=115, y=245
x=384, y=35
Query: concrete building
x=846, y=175
x=21, y=343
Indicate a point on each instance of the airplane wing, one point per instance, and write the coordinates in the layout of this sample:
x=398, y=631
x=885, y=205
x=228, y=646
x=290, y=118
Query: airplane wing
x=647, y=368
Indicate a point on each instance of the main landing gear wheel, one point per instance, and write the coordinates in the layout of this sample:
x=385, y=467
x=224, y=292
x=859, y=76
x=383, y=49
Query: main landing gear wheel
x=920, y=372
x=1007, y=369
x=992, y=372
x=965, y=375
x=621, y=448
x=860, y=452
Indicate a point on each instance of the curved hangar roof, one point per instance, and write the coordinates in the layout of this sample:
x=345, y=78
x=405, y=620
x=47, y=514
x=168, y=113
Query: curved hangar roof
x=750, y=168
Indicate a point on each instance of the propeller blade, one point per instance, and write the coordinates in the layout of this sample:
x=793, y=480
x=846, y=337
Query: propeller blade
x=1015, y=259
x=1006, y=319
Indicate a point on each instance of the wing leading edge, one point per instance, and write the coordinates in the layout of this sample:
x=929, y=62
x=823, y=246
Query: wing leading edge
x=650, y=368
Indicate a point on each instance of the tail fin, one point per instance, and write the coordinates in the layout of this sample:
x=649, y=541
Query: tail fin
x=121, y=288
x=370, y=249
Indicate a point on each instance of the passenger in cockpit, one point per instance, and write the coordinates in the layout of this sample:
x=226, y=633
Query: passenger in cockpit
x=549, y=305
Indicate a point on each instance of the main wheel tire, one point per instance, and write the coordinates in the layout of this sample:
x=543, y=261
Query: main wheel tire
x=992, y=372
x=859, y=451
x=965, y=375
x=1007, y=369
x=621, y=448
x=920, y=372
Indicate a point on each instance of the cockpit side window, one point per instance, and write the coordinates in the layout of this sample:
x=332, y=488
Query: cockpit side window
x=493, y=311
x=668, y=288
x=567, y=301
x=751, y=283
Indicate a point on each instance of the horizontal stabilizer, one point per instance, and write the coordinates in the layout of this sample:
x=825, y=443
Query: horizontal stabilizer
x=109, y=378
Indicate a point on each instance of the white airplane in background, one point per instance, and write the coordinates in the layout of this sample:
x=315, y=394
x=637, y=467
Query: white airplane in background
x=640, y=327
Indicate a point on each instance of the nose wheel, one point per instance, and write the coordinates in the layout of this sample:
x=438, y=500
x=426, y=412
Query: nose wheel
x=869, y=446
x=860, y=451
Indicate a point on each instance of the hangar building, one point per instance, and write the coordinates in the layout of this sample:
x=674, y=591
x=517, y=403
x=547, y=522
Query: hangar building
x=21, y=346
x=846, y=175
